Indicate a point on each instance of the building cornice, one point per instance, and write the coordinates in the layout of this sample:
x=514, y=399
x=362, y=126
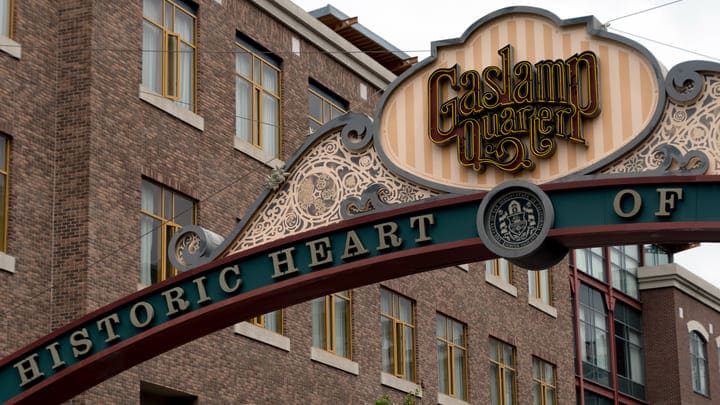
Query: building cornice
x=673, y=275
x=327, y=40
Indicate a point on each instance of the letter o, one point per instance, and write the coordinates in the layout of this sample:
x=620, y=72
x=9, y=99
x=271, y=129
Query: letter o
x=149, y=314
x=637, y=203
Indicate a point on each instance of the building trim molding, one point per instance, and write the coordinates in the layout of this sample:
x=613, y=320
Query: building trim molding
x=335, y=361
x=673, y=275
x=327, y=40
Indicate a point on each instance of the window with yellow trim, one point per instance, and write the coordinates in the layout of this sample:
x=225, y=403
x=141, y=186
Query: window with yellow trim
x=332, y=323
x=168, y=57
x=163, y=212
x=540, y=286
x=257, y=96
x=397, y=319
x=324, y=105
x=499, y=268
x=6, y=18
x=503, y=372
x=452, y=357
x=272, y=321
x=544, y=382
x=4, y=189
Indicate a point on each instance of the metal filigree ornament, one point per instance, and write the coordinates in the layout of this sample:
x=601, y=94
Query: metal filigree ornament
x=687, y=139
x=339, y=175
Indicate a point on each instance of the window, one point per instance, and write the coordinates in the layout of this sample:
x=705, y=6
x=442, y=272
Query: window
x=655, y=255
x=6, y=18
x=629, y=351
x=698, y=363
x=324, y=106
x=151, y=394
x=592, y=262
x=593, y=336
x=163, y=212
x=168, y=64
x=272, y=321
x=257, y=97
x=539, y=286
x=332, y=323
x=594, y=399
x=624, y=262
x=544, y=382
x=499, y=268
x=452, y=357
x=397, y=318
x=502, y=373
x=4, y=189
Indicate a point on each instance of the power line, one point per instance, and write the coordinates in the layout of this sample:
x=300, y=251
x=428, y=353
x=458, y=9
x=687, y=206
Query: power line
x=607, y=23
x=668, y=45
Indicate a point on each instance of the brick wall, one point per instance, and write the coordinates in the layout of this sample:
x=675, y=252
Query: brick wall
x=82, y=142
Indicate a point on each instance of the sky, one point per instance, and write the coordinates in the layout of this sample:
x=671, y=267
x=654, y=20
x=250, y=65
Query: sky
x=674, y=31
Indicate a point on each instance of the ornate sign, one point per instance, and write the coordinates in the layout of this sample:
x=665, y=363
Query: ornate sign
x=495, y=109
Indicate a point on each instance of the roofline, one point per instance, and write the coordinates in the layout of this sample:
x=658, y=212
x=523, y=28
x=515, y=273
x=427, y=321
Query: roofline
x=331, y=10
x=673, y=275
x=327, y=40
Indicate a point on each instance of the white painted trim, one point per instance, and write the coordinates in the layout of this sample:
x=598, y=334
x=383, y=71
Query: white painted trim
x=7, y=262
x=256, y=153
x=171, y=108
x=10, y=47
x=399, y=384
x=717, y=342
x=548, y=309
x=673, y=275
x=695, y=326
x=328, y=41
x=465, y=266
x=501, y=284
x=262, y=335
x=335, y=361
x=443, y=399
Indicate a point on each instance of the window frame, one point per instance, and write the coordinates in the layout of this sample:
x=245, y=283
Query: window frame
x=586, y=266
x=623, y=345
x=698, y=363
x=11, y=19
x=176, y=6
x=326, y=97
x=397, y=340
x=623, y=275
x=328, y=324
x=494, y=268
x=5, y=209
x=535, y=290
x=168, y=226
x=594, y=370
x=260, y=321
x=497, y=360
x=266, y=59
x=540, y=380
x=448, y=343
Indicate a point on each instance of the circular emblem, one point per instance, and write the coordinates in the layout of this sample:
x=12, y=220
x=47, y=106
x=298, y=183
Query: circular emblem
x=516, y=219
x=513, y=222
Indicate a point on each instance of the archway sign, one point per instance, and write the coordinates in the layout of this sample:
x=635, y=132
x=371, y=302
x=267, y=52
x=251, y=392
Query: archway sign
x=527, y=136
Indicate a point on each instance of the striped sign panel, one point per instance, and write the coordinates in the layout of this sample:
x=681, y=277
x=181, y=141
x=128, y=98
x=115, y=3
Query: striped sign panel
x=628, y=89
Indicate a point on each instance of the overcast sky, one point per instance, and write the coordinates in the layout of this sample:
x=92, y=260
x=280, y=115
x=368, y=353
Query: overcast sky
x=674, y=33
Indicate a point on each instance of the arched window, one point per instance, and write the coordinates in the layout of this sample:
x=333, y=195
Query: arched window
x=698, y=363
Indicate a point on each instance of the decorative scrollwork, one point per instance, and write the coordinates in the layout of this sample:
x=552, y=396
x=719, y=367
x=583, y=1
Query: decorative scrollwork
x=692, y=163
x=684, y=83
x=358, y=133
x=369, y=201
x=192, y=246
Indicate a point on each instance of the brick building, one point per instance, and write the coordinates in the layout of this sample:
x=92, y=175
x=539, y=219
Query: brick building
x=127, y=120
